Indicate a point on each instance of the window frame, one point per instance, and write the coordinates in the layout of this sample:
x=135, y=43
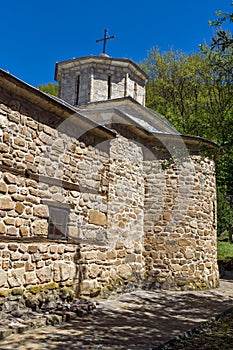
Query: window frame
x=57, y=213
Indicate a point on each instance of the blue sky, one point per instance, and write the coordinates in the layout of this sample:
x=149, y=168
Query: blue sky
x=35, y=34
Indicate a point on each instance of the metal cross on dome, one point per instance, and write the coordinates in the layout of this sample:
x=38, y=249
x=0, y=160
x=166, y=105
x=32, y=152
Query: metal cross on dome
x=104, y=40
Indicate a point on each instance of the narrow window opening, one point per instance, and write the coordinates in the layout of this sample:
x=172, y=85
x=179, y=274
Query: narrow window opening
x=109, y=87
x=58, y=219
x=125, y=86
x=135, y=90
x=77, y=90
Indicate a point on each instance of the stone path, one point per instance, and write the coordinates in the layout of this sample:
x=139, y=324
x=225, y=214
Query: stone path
x=138, y=320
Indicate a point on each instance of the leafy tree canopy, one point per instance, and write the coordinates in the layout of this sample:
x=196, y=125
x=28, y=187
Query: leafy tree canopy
x=223, y=38
x=50, y=88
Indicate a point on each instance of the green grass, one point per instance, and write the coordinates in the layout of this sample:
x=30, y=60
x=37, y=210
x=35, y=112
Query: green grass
x=225, y=250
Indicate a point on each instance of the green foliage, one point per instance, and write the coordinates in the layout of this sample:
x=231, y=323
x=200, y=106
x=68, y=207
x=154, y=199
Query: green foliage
x=50, y=88
x=224, y=237
x=193, y=91
x=221, y=18
x=225, y=213
x=224, y=168
x=225, y=250
x=223, y=39
x=172, y=89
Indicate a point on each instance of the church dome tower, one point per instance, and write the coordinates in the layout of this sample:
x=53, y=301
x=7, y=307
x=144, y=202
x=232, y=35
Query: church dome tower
x=99, y=78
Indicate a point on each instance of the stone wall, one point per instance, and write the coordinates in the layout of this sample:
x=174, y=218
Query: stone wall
x=92, y=79
x=104, y=191
x=43, y=165
x=180, y=224
x=119, y=265
x=73, y=80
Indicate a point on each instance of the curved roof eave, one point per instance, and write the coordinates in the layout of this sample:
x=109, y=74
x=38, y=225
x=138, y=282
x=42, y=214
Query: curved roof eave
x=188, y=140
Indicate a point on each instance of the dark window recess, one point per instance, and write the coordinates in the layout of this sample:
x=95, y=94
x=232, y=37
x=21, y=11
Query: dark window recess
x=125, y=87
x=109, y=87
x=77, y=89
x=135, y=90
x=58, y=219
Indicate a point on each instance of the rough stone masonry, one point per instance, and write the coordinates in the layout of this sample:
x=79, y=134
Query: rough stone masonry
x=94, y=199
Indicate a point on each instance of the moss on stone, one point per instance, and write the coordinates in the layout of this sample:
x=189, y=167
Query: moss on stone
x=5, y=293
x=51, y=286
x=17, y=291
x=34, y=289
x=109, y=287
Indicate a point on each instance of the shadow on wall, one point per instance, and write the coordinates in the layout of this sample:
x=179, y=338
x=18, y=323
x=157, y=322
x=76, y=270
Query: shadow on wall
x=79, y=272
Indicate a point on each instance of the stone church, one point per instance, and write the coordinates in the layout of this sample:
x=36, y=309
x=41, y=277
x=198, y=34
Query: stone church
x=98, y=194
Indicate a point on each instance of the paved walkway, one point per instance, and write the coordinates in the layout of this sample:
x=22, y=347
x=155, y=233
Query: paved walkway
x=139, y=320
